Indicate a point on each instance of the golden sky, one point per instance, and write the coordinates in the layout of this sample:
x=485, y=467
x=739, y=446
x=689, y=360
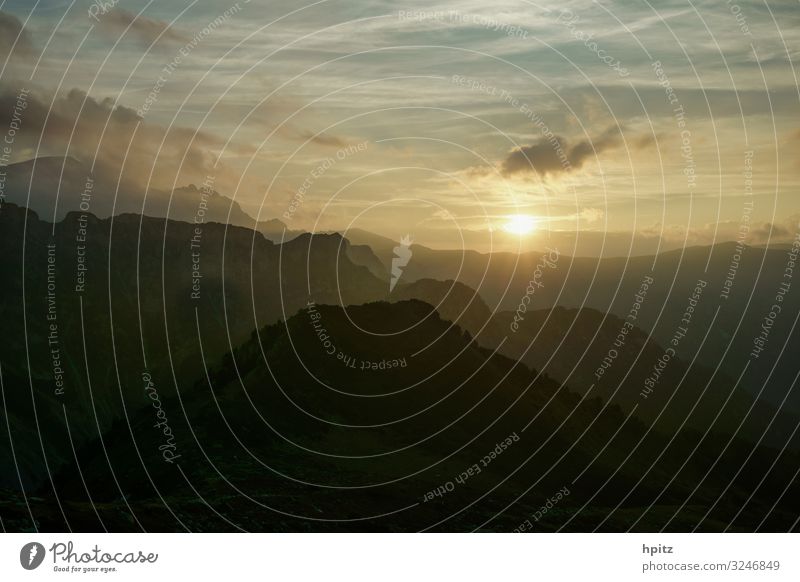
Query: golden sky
x=515, y=125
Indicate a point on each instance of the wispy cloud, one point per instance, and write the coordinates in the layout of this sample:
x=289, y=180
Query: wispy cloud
x=13, y=37
x=146, y=30
x=324, y=139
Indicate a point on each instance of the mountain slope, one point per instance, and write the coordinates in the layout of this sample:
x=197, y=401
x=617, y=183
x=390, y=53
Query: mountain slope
x=285, y=435
x=92, y=305
x=610, y=358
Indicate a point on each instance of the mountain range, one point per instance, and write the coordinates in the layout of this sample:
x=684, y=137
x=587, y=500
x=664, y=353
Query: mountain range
x=301, y=392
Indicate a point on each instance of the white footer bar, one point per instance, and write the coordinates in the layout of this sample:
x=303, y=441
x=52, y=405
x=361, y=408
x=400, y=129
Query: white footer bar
x=401, y=557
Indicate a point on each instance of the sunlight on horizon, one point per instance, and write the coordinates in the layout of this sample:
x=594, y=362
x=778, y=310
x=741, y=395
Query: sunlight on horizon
x=520, y=224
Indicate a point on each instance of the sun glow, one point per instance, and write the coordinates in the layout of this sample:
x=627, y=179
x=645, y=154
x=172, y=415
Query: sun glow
x=520, y=224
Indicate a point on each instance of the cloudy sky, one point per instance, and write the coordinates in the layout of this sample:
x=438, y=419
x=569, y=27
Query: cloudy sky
x=624, y=121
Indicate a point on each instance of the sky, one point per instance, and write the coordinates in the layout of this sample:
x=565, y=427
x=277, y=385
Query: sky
x=604, y=127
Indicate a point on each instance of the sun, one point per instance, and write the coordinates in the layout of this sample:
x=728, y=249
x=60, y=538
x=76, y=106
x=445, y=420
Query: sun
x=520, y=224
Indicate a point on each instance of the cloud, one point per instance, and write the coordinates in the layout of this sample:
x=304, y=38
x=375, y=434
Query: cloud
x=552, y=154
x=760, y=232
x=114, y=139
x=13, y=37
x=769, y=231
x=591, y=215
x=145, y=30
x=647, y=140
x=324, y=139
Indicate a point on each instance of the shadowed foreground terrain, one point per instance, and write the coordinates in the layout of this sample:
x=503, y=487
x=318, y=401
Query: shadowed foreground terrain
x=272, y=448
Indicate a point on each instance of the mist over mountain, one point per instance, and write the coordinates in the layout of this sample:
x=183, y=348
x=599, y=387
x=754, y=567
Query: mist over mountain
x=603, y=356
x=739, y=286
x=53, y=187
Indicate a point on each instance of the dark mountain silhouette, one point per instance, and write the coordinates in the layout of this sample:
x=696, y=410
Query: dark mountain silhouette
x=573, y=346
x=130, y=290
x=55, y=186
x=284, y=436
x=739, y=294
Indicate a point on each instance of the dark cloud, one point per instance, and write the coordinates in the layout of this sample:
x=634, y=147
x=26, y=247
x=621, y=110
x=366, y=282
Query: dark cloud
x=647, y=140
x=770, y=231
x=543, y=157
x=113, y=139
x=552, y=155
x=13, y=36
x=324, y=139
x=144, y=29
